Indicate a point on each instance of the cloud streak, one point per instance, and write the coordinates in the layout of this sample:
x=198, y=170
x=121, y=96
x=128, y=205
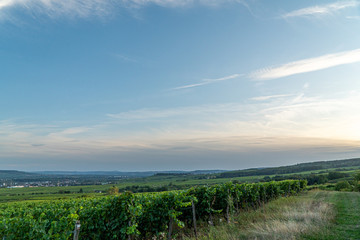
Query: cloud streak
x=192, y=111
x=264, y=98
x=55, y=8
x=321, y=10
x=87, y=8
x=208, y=81
x=307, y=65
x=281, y=124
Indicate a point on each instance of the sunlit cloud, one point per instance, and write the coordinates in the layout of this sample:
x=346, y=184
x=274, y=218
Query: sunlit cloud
x=7, y=3
x=307, y=65
x=208, y=81
x=321, y=10
x=276, y=123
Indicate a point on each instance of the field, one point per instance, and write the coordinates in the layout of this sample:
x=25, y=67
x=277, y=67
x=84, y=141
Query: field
x=150, y=184
x=138, y=216
x=311, y=215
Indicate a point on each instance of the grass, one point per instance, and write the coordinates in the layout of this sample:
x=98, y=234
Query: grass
x=316, y=215
x=346, y=224
x=284, y=218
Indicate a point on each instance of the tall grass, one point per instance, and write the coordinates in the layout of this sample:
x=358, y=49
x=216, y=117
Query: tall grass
x=284, y=218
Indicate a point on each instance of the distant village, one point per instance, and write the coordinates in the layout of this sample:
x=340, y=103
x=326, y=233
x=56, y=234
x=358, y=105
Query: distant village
x=58, y=183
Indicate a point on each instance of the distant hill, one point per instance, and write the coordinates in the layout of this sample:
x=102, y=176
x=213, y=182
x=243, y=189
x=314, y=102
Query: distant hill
x=13, y=174
x=301, y=167
x=97, y=173
x=126, y=174
x=196, y=172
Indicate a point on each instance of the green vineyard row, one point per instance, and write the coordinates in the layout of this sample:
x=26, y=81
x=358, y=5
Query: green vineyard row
x=135, y=216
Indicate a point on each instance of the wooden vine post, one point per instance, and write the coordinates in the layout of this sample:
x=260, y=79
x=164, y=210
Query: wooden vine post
x=237, y=201
x=129, y=236
x=211, y=222
x=77, y=230
x=228, y=208
x=170, y=228
x=289, y=189
x=194, y=217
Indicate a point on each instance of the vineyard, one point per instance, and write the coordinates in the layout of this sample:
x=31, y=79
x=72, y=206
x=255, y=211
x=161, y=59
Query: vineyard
x=136, y=216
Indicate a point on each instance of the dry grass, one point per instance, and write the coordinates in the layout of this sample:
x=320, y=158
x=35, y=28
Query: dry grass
x=291, y=221
x=285, y=218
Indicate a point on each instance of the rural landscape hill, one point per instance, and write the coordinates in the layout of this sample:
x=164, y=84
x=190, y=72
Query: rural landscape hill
x=13, y=174
x=301, y=167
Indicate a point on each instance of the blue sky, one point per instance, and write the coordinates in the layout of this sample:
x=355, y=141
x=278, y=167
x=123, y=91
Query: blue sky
x=136, y=85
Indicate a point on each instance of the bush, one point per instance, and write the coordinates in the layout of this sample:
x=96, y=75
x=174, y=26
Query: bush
x=342, y=185
x=336, y=175
x=113, y=190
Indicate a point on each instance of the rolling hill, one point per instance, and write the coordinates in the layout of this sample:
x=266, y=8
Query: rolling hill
x=301, y=167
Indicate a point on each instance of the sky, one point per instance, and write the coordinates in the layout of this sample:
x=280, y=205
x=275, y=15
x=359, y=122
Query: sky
x=138, y=85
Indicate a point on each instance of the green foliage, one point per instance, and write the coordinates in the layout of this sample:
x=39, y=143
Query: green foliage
x=109, y=217
x=336, y=175
x=342, y=185
x=141, y=216
x=357, y=176
x=113, y=190
x=159, y=208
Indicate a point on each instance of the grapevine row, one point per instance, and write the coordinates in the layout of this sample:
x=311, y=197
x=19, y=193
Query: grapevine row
x=135, y=216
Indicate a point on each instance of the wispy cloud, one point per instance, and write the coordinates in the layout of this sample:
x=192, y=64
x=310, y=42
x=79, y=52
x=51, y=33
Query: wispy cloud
x=7, y=3
x=353, y=17
x=125, y=58
x=191, y=111
x=321, y=9
x=289, y=124
x=180, y=3
x=264, y=98
x=87, y=8
x=281, y=115
x=307, y=65
x=208, y=81
x=54, y=8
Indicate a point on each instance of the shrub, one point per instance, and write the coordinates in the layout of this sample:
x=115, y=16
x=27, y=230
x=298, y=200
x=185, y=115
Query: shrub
x=342, y=185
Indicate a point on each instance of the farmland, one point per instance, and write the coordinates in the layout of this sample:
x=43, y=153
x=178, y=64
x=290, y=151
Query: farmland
x=320, y=176
x=239, y=211
x=137, y=215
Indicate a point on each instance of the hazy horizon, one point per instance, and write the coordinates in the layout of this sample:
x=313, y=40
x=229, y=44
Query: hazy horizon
x=135, y=85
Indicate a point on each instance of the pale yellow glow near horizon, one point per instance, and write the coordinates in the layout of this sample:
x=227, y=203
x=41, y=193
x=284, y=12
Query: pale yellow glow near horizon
x=294, y=122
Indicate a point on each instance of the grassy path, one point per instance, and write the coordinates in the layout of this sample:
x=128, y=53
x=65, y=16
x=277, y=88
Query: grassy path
x=346, y=224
